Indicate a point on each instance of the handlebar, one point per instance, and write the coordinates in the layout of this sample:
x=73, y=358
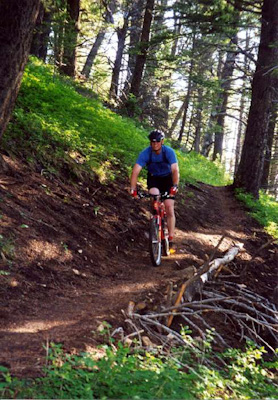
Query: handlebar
x=161, y=196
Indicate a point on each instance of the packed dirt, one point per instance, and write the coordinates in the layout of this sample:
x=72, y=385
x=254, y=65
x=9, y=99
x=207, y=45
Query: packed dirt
x=73, y=254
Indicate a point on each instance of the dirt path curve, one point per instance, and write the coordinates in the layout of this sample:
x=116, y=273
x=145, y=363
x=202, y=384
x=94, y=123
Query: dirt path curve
x=73, y=256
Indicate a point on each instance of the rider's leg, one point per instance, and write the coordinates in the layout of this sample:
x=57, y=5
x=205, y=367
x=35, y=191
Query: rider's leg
x=171, y=219
x=154, y=190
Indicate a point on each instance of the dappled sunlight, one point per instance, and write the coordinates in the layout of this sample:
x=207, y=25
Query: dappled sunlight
x=128, y=287
x=38, y=326
x=46, y=250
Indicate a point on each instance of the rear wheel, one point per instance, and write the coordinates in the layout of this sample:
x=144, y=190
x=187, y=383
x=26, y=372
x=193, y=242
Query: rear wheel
x=155, y=242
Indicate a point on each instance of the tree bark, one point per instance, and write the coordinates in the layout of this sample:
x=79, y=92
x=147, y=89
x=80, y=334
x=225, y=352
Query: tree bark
x=273, y=174
x=17, y=21
x=208, y=140
x=108, y=18
x=250, y=169
x=197, y=139
x=121, y=33
x=269, y=145
x=93, y=53
x=143, y=49
x=70, y=40
x=224, y=96
x=41, y=33
x=184, y=107
x=242, y=109
x=135, y=29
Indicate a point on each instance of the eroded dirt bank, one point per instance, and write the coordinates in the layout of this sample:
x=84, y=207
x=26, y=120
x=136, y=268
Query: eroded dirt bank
x=73, y=256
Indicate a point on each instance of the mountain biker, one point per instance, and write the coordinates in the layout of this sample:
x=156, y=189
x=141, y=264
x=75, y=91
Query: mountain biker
x=163, y=174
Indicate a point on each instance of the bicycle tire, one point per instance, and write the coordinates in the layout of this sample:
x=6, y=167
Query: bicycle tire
x=165, y=247
x=165, y=241
x=155, y=242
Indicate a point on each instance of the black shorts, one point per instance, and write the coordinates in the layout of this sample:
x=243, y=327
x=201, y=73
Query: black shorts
x=163, y=183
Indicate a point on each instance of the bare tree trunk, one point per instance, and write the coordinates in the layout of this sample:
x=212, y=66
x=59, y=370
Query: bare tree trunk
x=121, y=33
x=250, y=169
x=209, y=136
x=58, y=30
x=93, y=53
x=198, y=121
x=41, y=34
x=186, y=102
x=184, y=107
x=225, y=87
x=143, y=50
x=269, y=145
x=242, y=109
x=17, y=21
x=108, y=18
x=136, y=17
x=273, y=174
x=70, y=40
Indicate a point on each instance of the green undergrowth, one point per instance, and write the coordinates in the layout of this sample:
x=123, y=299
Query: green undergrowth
x=117, y=371
x=264, y=210
x=55, y=127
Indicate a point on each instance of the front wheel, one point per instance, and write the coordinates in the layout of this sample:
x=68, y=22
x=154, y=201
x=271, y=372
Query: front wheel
x=155, y=242
x=166, y=248
x=165, y=240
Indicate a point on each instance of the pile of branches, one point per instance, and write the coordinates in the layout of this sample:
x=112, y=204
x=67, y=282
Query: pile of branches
x=249, y=315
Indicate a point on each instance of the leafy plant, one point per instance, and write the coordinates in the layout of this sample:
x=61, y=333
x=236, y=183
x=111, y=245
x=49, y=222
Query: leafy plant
x=264, y=210
x=57, y=128
x=124, y=373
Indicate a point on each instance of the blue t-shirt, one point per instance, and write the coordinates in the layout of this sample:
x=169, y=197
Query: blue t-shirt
x=157, y=164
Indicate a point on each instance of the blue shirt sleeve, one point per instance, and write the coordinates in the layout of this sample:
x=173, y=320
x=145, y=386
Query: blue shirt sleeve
x=171, y=155
x=143, y=157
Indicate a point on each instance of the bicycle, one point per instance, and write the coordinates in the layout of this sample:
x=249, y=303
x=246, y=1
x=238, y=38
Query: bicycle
x=158, y=232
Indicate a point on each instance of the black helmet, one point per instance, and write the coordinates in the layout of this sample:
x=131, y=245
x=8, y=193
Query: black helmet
x=156, y=136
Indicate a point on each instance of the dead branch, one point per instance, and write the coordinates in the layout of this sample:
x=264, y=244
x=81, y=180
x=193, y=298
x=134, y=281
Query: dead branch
x=195, y=284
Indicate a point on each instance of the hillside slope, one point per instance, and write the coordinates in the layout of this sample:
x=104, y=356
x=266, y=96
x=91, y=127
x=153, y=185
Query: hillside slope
x=74, y=255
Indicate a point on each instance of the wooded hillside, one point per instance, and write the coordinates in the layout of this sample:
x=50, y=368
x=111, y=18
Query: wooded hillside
x=203, y=72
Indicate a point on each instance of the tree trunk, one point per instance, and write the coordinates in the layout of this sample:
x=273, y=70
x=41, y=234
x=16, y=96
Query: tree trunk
x=93, y=53
x=242, y=109
x=198, y=121
x=70, y=40
x=17, y=21
x=273, y=174
x=225, y=87
x=208, y=140
x=143, y=50
x=250, y=169
x=135, y=32
x=108, y=18
x=121, y=33
x=240, y=131
x=184, y=107
x=269, y=145
x=41, y=34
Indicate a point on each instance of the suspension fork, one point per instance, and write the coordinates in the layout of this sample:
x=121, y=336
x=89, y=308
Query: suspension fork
x=157, y=216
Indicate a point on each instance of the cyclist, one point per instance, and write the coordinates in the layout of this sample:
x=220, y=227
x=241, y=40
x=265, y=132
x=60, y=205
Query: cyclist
x=163, y=174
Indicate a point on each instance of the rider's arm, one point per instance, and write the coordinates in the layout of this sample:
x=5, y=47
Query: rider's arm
x=175, y=174
x=134, y=176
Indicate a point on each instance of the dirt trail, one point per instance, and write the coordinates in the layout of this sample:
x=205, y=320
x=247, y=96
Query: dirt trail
x=75, y=255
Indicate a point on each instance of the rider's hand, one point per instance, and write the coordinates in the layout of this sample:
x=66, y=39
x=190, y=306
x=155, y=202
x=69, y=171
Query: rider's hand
x=133, y=192
x=174, y=190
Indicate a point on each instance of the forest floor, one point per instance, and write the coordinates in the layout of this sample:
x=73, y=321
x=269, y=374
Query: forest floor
x=74, y=255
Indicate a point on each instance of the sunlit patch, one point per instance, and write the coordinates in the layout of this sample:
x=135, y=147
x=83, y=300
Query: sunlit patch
x=38, y=326
x=46, y=250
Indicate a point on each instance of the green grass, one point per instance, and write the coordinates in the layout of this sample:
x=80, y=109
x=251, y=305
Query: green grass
x=264, y=210
x=125, y=373
x=54, y=126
